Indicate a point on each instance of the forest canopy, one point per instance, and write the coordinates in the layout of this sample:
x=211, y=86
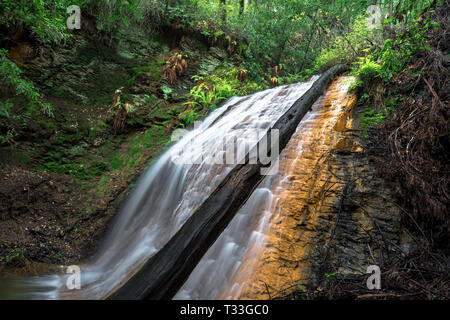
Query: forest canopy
x=296, y=34
x=277, y=41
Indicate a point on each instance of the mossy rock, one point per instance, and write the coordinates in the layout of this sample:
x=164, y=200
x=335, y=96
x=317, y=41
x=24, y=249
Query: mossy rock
x=135, y=43
x=208, y=64
x=192, y=47
x=218, y=53
x=160, y=115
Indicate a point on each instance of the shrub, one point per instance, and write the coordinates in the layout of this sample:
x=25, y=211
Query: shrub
x=13, y=84
x=46, y=19
x=345, y=48
x=20, y=100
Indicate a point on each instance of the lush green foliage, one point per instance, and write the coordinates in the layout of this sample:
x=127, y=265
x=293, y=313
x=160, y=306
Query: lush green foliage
x=11, y=77
x=211, y=90
x=346, y=46
x=299, y=35
x=47, y=19
x=220, y=86
x=390, y=57
x=18, y=90
x=288, y=40
x=394, y=54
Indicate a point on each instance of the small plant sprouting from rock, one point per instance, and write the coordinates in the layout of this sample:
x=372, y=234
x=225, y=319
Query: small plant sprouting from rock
x=175, y=67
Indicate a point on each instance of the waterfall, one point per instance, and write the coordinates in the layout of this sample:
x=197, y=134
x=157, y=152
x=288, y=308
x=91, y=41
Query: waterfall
x=167, y=194
x=247, y=254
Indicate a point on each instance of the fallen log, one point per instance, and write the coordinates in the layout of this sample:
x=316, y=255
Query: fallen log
x=165, y=272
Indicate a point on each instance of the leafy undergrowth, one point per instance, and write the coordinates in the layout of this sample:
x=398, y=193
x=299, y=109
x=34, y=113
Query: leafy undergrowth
x=414, y=140
x=214, y=89
x=417, y=276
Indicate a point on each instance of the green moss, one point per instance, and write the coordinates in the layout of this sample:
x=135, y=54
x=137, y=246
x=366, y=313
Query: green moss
x=370, y=118
x=154, y=137
x=188, y=116
x=101, y=186
x=115, y=161
x=101, y=124
x=75, y=169
x=14, y=257
x=154, y=68
x=161, y=114
x=23, y=158
x=47, y=125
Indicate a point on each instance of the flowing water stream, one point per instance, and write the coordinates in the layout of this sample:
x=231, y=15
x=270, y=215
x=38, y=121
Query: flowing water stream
x=265, y=246
x=168, y=193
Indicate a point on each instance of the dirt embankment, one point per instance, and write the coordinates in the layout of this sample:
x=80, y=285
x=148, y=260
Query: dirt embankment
x=40, y=219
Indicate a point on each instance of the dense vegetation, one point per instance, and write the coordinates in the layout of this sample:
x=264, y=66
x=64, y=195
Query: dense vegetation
x=278, y=41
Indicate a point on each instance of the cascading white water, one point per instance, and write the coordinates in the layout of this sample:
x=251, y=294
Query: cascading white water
x=219, y=264
x=246, y=231
x=218, y=274
x=167, y=194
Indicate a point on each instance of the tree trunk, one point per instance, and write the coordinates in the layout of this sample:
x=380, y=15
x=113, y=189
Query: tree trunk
x=223, y=8
x=166, y=9
x=312, y=33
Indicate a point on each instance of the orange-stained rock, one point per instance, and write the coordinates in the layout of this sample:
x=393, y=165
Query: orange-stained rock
x=302, y=190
